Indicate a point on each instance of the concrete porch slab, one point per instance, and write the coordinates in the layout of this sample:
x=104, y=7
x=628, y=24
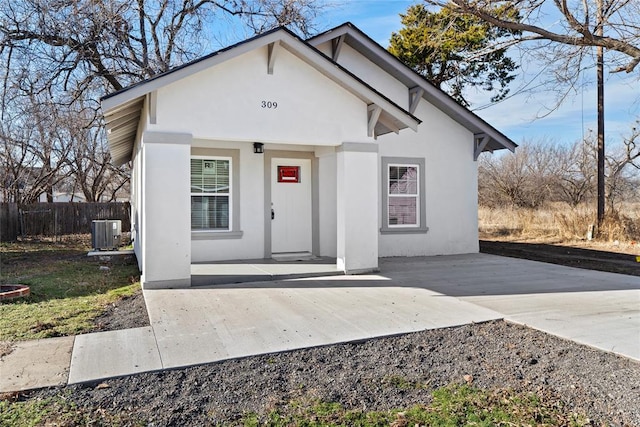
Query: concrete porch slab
x=260, y=270
x=112, y=354
x=36, y=364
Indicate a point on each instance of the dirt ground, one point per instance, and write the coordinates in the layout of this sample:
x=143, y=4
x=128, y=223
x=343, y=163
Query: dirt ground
x=588, y=258
x=129, y=312
x=378, y=374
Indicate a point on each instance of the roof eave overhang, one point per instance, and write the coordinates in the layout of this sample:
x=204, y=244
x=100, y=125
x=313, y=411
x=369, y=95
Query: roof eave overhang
x=119, y=104
x=122, y=123
x=393, y=118
x=147, y=86
x=389, y=63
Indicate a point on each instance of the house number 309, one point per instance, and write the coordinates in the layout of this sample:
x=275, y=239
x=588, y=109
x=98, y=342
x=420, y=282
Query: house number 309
x=269, y=104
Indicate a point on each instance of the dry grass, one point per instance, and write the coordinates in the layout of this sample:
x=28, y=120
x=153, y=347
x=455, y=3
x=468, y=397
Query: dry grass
x=561, y=224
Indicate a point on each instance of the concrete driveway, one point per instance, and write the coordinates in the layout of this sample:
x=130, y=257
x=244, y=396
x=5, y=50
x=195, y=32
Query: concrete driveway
x=595, y=308
x=202, y=325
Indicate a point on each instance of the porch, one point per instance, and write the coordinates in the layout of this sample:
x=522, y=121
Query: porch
x=281, y=267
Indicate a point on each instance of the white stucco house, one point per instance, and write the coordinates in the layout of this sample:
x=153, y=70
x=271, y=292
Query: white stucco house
x=329, y=146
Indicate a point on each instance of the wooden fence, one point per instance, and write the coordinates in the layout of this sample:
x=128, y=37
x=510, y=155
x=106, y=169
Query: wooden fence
x=57, y=219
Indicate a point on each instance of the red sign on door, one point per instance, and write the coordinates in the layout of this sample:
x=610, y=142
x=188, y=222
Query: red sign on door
x=289, y=174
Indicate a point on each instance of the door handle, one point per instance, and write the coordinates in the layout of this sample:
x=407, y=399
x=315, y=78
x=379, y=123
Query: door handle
x=273, y=214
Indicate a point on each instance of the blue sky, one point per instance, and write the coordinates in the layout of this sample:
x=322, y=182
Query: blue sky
x=515, y=117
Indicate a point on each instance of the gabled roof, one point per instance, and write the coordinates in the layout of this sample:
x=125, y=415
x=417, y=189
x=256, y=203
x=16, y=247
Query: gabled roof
x=122, y=109
x=488, y=138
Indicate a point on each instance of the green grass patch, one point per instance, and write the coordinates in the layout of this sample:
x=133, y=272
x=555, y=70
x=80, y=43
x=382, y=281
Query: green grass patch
x=452, y=406
x=59, y=411
x=68, y=289
x=37, y=412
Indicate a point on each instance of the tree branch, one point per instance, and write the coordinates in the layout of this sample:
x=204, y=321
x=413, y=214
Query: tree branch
x=586, y=38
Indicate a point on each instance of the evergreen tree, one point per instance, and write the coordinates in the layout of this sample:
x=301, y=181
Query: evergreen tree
x=454, y=52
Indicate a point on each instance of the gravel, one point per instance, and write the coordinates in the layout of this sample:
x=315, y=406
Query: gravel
x=378, y=374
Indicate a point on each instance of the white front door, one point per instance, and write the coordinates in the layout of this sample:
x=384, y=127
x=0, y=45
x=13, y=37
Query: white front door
x=291, y=205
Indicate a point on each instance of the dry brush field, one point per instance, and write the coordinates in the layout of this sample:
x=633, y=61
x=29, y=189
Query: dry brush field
x=559, y=224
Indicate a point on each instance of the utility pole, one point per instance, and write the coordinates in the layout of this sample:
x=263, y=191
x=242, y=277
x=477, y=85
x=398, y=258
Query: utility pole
x=600, y=72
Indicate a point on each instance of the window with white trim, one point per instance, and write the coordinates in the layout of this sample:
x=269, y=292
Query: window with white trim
x=403, y=195
x=403, y=203
x=211, y=193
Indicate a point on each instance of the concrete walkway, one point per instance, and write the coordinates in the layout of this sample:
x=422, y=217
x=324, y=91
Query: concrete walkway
x=208, y=324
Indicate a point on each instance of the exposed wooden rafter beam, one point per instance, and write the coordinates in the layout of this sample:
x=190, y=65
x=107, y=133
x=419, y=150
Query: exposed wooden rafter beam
x=272, y=49
x=481, y=141
x=125, y=118
x=374, y=114
x=415, y=93
x=125, y=129
x=336, y=45
x=124, y=110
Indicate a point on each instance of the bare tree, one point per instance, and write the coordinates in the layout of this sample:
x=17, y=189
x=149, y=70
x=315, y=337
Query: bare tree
x=621, y=174
x=547, y=172
x=34, y=151
x=118, y=42
x=613, y=25
x=89, y=167
x=574, y=173
x=579, y=26
x=623, y=169
x=61, y=56
x=559, y=36
x=522, y=179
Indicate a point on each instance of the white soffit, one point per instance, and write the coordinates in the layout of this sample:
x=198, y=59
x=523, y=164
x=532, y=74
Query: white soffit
x=122, y=127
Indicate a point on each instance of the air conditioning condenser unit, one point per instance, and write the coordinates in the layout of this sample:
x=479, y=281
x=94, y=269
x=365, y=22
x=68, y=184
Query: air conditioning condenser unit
x=106, y=234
